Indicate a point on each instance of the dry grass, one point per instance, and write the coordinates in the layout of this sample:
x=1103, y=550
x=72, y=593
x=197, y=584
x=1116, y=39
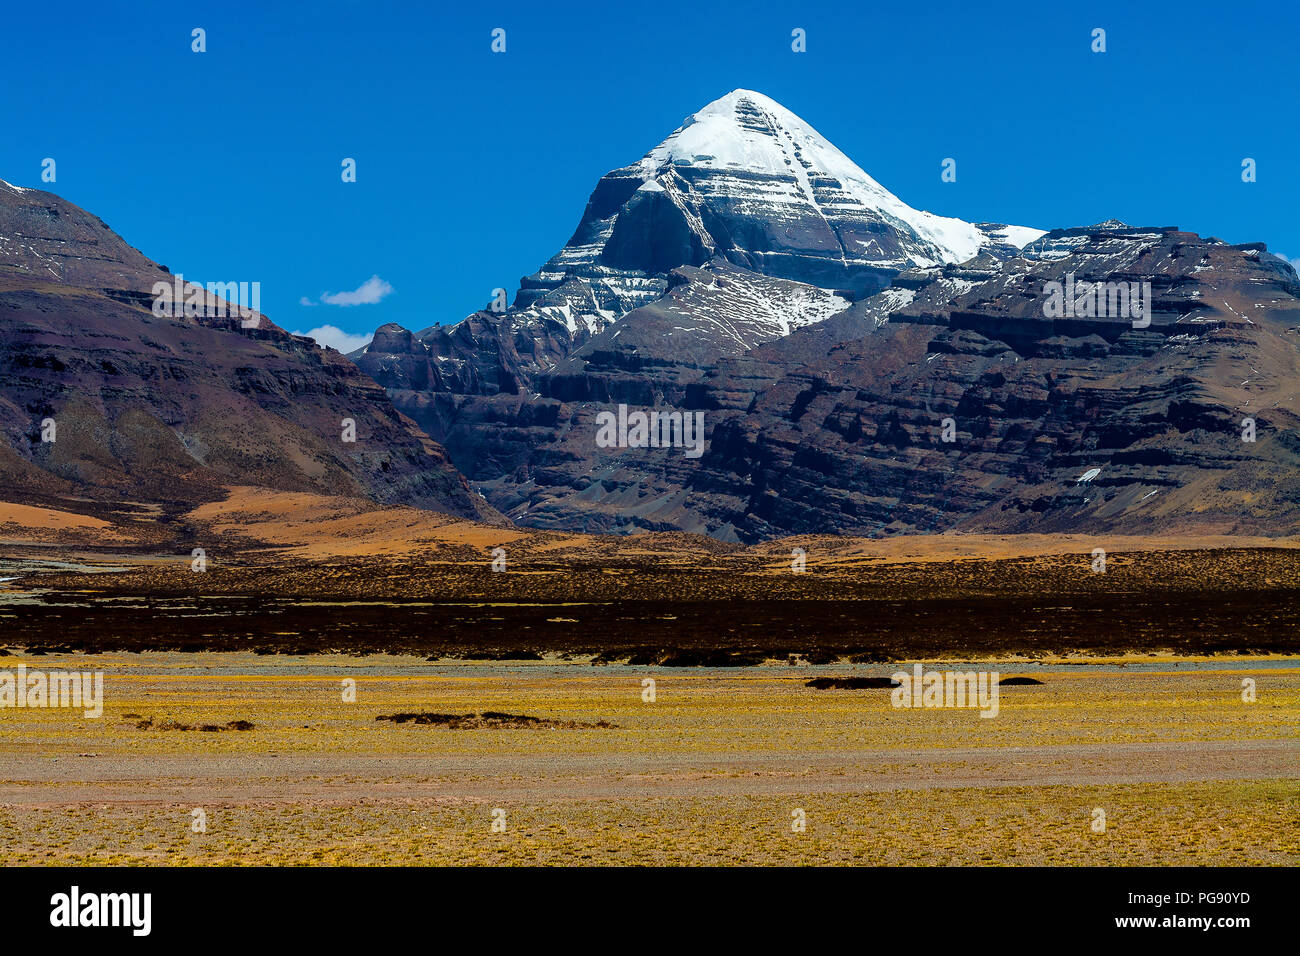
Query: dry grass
x=1214, y=823
x=708, y=773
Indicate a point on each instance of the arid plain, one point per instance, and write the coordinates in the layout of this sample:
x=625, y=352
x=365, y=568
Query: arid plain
x=253, y=691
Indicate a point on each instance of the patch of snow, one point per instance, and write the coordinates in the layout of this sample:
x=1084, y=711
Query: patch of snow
x=896, y=298
x=1018, y=236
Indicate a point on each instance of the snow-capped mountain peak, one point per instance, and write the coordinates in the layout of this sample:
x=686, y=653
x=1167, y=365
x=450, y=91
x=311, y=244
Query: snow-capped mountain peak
x=742, y=226
x=744, y=136
x=746, y=180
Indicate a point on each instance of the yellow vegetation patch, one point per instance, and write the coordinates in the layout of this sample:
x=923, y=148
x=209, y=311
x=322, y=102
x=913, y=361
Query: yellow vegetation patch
x=310, y=526
x=28, y=522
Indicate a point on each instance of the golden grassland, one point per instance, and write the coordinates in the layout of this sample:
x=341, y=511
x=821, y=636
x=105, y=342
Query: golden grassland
x=710, y=772
x=296, y=706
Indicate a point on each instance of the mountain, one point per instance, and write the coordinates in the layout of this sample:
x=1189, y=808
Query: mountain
x=749, y=181
x=164, y=411
x=743, y=182
x=861, y=367
x=741, y=226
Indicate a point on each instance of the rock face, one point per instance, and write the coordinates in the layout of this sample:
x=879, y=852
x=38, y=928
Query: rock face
x=1078, y=424
x=166, y=410
x=863, y=367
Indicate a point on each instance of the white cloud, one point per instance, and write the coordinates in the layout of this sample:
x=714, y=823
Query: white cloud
x=305, y=301
x=336, y=338
x=368, y=293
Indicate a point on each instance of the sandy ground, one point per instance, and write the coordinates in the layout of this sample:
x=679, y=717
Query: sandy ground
x=711, y=771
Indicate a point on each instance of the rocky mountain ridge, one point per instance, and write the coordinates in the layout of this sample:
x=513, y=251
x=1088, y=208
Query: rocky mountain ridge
x=103, y=399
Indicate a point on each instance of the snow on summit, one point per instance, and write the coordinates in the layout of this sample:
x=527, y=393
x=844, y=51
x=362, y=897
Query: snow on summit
x=743, y=130
x=744, y=224
x=751, y=135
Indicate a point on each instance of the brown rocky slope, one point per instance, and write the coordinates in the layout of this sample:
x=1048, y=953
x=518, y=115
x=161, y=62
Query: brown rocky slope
x=169, y=410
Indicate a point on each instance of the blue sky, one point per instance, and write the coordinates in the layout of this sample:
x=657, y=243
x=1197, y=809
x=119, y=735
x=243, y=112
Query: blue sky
x=474, y=167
